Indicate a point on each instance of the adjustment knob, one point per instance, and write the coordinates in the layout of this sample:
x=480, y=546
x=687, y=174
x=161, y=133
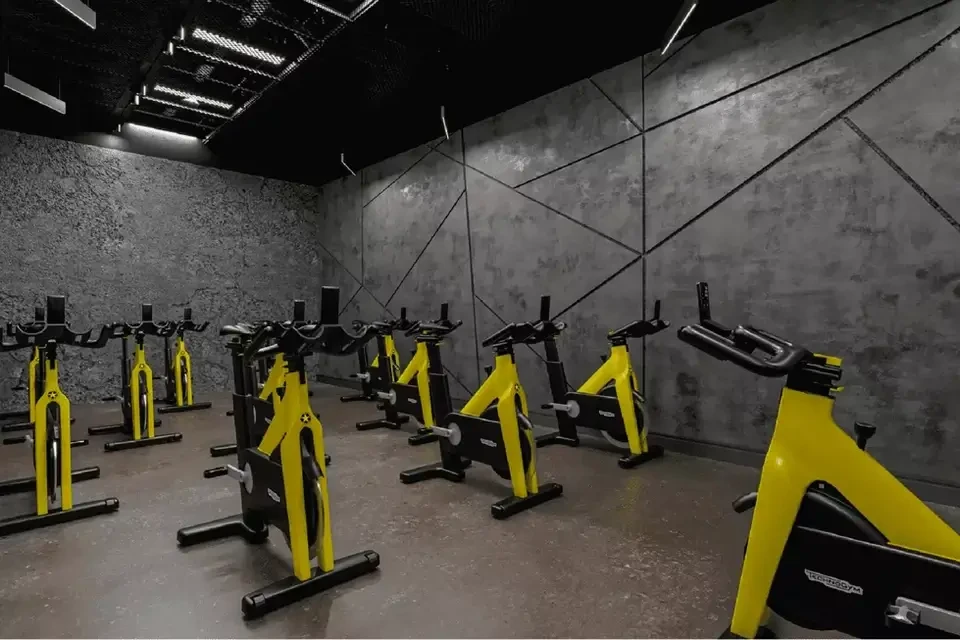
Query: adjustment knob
x=864, y=431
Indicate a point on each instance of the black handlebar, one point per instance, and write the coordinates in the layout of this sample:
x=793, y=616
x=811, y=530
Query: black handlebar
x=187, y=323
x=435, y=328
x=51, y=327
x=783, y=356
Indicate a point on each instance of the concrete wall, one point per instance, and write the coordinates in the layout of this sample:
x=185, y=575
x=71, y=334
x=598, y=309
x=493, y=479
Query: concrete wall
x=801, y=158
x=112, y=230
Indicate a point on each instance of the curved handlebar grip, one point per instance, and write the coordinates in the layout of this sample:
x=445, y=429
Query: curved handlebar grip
x=783, y=357
x=264, y=352
x=263, y=334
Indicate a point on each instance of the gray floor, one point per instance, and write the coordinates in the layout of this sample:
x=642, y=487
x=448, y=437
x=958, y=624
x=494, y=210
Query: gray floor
x=649, y=552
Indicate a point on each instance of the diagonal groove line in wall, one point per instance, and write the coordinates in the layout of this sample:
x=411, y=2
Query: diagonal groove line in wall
x=546, y=206
x=424, y=250
x=352, y=298
x=614, y=103
x=796, y=66
x=667, y=59
x=902, y=173
x=580, y=159
x=473, y=284
x=397, y=179
x=843, y=112
x=596, y=288
x=742, y=89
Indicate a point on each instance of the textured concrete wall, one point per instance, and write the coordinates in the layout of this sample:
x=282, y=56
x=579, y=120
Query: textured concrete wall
x=801, y=158
x=112, y=229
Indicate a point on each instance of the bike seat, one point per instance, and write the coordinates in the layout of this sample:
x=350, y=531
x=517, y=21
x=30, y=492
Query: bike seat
x=240, y=329
x=513, y=333
x=641, y=328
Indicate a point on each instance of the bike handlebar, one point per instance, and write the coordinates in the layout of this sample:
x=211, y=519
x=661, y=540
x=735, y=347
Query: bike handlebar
x=783, y=356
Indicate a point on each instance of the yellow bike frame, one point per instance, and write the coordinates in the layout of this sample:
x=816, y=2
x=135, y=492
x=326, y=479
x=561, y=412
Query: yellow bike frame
x=295, y=415
x=181, y=364
x=392, y=356
x=140, y=366
x=808, y=446
x=273, y=382
x=619, y=369
x=503, y=386
x=32, y=369
x=52, y=394
x=419, y=367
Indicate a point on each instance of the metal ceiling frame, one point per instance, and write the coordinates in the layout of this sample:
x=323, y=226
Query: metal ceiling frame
x=346, y=19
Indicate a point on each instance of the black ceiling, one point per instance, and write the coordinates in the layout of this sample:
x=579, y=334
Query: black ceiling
x=370, y=87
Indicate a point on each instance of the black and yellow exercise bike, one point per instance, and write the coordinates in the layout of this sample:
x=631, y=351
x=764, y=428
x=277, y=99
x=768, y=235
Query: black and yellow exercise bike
x=283, y=479
x=492, y=428
x=836, y=541
x=268, y=394
x=34, y=387
x=178, y=368
x=136, y=381
x=609, y=401
x=407, y=395
x=50, y=440
x=371, y=376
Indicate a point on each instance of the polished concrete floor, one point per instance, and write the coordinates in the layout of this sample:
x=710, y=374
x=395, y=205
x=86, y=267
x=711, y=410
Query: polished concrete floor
x=649, y=552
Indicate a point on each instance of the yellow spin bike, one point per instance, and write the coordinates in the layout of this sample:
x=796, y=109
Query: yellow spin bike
x=408, y=394
x=492, y=428
x=283, y=478
x=51, y=437
x=371, y=376
x=609, y=401
x=836, y=541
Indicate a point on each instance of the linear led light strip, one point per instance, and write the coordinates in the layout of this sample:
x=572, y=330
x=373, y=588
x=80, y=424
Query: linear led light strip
x=685, y=11
x=238, y=47
x=183, y=106
x=359, y=11
x=192, y=97
x=229, y=63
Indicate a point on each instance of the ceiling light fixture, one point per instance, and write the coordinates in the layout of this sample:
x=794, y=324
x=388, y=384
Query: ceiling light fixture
x=330, y=10
x=31, y=92
x=229, y=63
x=170, y=48
x=183, y=106
x=685, y=11
x=136, y=99
x=80, y=11
x=162, y=132
x=443, y=119
x=193, y=98
x=238, y=47
x=344, y=163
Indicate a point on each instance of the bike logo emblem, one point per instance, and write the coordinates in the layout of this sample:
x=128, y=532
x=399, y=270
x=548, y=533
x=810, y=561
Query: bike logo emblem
x=273, y=495
x=52, y=395
x=833, y=583
x=304, y=418
x=605, y=414
x=411, y=401
x=489, y=443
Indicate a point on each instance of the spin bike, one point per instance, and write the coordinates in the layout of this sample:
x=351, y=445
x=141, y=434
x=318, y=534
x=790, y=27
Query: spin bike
x=268, y=395
x=836, y=541
x=492, y=428
x=370, y=375
x=34, y=386
x=136, y=382
x=609, y=401
x=409, y=392
x=50, y=441
x=178, y=368
x=283, y=480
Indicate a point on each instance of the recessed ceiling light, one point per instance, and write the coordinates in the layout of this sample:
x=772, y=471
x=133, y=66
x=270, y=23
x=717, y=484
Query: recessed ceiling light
x=192, y=98
x=167, y=103
x=238, y=47
x=685, y=12
x=162, y=132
